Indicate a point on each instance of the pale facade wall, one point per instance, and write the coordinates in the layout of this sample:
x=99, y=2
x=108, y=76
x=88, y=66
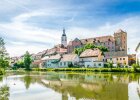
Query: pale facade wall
x=120, y=60
x=49, y=64
x=89, y=59
x=66, y=63
x=94, y=64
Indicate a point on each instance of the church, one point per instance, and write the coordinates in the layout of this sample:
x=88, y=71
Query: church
x=64, y=39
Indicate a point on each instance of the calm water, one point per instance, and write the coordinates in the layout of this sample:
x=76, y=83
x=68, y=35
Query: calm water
x=69, y=86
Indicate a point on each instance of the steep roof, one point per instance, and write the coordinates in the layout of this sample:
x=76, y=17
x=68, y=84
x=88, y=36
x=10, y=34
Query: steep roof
x=69, y=57
x=58, y=56
x=90, y=53
x=98, y=39
x=37, y=62
x=45, y=58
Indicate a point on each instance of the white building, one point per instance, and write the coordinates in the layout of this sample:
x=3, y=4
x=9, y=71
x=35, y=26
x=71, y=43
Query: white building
x=138, y=54
x=53, y=61
x=92, y=58
x=69, y=59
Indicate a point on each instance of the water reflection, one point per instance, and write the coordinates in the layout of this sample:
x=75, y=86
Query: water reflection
x=83, y=86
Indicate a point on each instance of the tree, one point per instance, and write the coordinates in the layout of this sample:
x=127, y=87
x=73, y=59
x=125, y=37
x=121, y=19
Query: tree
x=118, y=65
x=110, y=65
x=19, y=64
x=78, y=51
x=4, y=56
x=102, y=48
x=27, y=60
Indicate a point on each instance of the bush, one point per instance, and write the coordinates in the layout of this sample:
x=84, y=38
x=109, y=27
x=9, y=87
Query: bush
x=2, y=71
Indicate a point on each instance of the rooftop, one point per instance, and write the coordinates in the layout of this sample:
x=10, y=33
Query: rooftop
x=69, y=57
x=90, y=53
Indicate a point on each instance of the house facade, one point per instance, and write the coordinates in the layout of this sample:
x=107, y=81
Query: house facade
x=92, y=58
x=121, y=60
x=138, y=54
x=69, y=60
x=53, y=61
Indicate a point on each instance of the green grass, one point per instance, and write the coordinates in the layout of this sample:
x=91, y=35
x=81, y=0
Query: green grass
x=128, y=70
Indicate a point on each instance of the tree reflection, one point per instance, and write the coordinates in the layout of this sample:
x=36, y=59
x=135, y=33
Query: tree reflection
x=1, y=78
x=4, y=93
x=27, y=81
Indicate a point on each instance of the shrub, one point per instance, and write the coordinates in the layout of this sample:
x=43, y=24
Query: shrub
x=2, y=71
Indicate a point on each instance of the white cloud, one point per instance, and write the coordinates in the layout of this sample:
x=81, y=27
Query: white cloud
x=130, y=25
x=22, y=36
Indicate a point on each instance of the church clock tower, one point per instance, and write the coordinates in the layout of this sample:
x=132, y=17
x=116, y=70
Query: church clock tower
x=64, y=39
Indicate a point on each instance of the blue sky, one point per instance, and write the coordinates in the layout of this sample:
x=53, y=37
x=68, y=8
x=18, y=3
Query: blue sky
x=36, y=25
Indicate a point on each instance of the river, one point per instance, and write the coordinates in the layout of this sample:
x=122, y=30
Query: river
x=69, y=86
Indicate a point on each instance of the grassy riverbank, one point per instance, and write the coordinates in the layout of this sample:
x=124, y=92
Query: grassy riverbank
x=128, y=70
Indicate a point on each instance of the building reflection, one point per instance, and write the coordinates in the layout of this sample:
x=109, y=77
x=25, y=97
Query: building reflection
x=86, y=86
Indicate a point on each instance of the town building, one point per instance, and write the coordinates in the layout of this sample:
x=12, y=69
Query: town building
x=69, y=60
x=138, y=54
x=119, y=60
x=115, y=43
x=131, y=59
x=53, y=61
x=37, y=64
x=92, y=58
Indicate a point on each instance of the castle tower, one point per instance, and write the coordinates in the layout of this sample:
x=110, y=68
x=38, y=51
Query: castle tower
x=64, y=39
x=120, y=41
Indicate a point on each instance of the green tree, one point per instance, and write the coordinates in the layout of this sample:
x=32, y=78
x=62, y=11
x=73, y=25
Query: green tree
x=102, y=48
x=19, y=64
x=4, y=56
x=110, y=65
x=89, y=46
x=27, y=60
x=118, y=65
x=78, y=51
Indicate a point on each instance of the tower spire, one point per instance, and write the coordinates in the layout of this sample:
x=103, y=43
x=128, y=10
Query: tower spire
x=64, y=38
x=63, y=30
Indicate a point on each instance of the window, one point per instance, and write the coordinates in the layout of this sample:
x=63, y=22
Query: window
x=123, y=58
x=120, y=58
x=117, y=58
x=64, y=63
x=99, y=64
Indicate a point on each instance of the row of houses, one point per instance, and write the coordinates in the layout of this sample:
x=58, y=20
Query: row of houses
x=89, y=58
x=62, y=55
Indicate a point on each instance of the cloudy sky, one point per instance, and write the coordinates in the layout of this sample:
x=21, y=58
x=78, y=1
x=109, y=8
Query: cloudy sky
x=36, y=25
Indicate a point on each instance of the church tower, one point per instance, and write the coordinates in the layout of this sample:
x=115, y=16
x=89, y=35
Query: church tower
x=64, y=39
